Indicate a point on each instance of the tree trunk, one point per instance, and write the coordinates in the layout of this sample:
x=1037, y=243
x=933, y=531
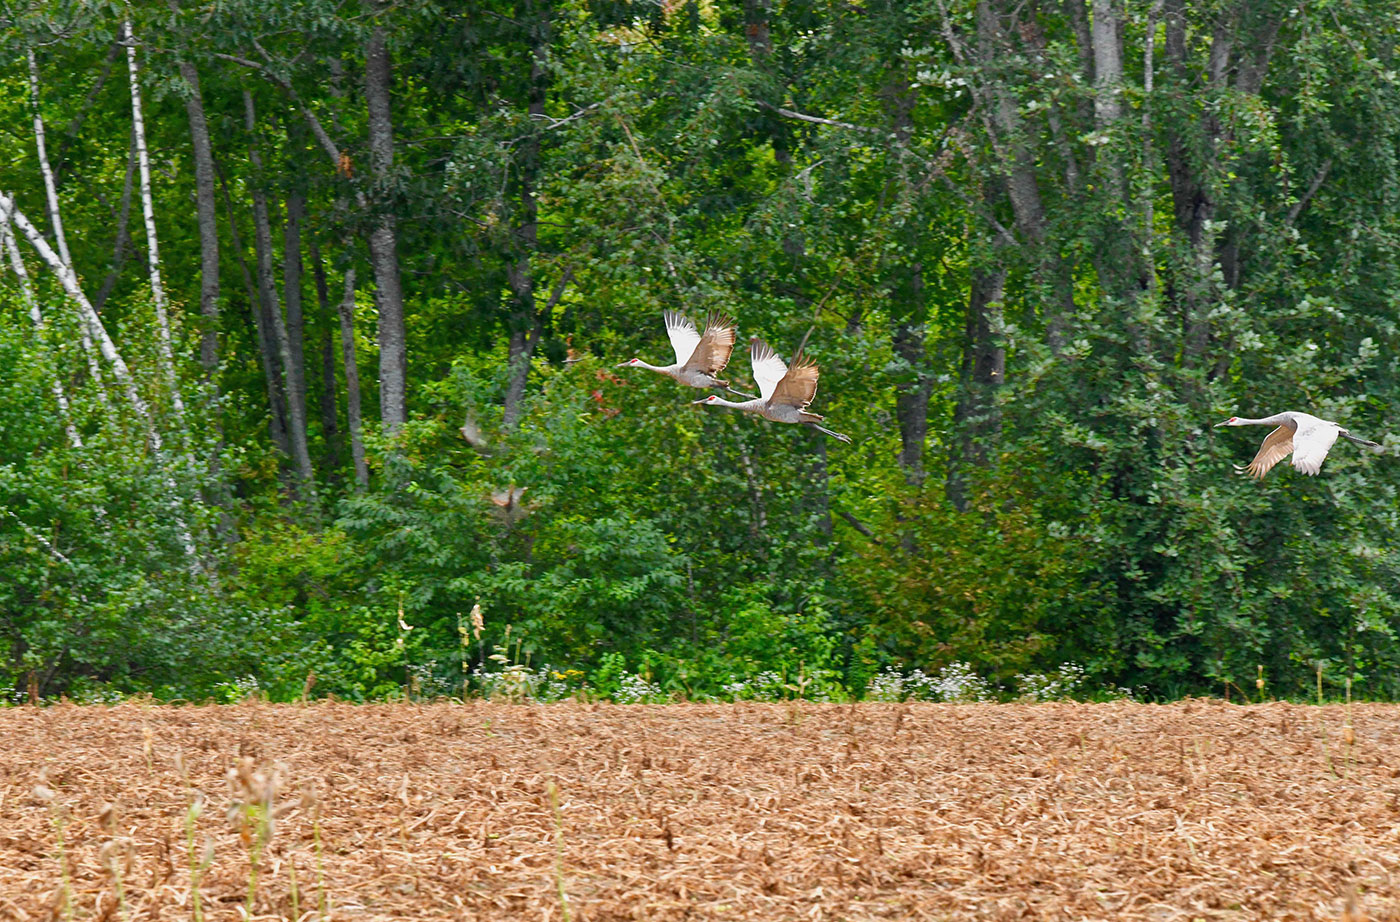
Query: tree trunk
x=7, y=241
x=976, y=419
x=383, y=240
x=207, y=220
x=330, y=428
x=163, y=338
x=122, y=243
x=907, y=309
x=911, y=398
x=352, y=379
x=1022, y=187
x=291, y=287
x=267, y=353
x=56, y=219
x=50, y=187
x=69, y=279
x=525, y=321
x=272, y=310
x=1108, y=62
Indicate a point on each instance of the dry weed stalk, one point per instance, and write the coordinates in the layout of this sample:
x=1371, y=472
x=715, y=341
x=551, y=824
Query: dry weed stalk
x=115, y=856
x=322, y=898
x=1322, y=724
x=252, y=814
x=58, y=816
x=197, y=865
x=558, y=849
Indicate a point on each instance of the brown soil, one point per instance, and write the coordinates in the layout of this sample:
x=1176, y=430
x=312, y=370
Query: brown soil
x=1197, y=810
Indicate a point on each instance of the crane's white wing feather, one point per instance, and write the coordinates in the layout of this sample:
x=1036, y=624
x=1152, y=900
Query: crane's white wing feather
x=1311, y=444
x=684, y=337
x=768, y=369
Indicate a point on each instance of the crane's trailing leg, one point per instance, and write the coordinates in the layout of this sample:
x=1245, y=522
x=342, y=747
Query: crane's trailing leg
x=835, y=435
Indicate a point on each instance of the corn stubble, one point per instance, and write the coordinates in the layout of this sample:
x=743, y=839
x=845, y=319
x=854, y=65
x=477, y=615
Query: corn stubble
x=592, y=811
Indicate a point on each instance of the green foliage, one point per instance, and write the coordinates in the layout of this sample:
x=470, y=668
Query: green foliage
x=841, y=175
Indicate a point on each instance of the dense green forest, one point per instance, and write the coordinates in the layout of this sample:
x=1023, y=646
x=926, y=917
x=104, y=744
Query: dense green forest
x=298, y=296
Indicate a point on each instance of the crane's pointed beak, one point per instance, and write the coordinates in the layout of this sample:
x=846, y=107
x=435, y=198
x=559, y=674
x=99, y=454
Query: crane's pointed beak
x=701, y=400
x=1221, y=423
x=622, y=364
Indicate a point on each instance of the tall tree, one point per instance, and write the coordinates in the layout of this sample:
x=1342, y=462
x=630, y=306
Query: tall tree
x=383, y=238
x=207, y=216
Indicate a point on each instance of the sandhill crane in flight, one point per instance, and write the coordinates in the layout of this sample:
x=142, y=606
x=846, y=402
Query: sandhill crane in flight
x=785, y=392
x=509, y=502
x=699, y=359
x=1307, y=437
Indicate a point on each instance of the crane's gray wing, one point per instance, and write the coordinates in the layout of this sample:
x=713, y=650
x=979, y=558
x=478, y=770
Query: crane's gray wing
x=684, y=338
x=1311, y=445
x=798, y=386
x=1277, y=445
x=768, y=369
x=714, y=348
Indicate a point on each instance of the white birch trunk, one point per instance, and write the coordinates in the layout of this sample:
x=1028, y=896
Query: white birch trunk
x=7, y=240
x=50, y=189
x=167, y=356
x=69, y=279
x=56, y=217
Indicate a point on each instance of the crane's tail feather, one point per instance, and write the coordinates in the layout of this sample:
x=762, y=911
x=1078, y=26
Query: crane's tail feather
x=1360, y=441
x=835, y=435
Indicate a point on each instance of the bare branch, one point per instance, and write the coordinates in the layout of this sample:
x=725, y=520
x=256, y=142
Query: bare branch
x=323, y=138
x=1313, y=186
x=560, y=122
x=856, y=524
x=818, y=120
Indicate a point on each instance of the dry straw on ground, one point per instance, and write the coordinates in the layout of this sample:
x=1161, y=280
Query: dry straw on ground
x=1196, y=810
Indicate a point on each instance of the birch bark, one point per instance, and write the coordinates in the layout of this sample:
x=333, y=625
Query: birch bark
x=50, y=188
x=69, y=280
x=167, y=356
x=7, y=240
x=56, y=218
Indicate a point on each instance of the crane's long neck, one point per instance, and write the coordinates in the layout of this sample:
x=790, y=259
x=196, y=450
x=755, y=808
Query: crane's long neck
x=1266, y=421
x=664, y=369
x=748, y=405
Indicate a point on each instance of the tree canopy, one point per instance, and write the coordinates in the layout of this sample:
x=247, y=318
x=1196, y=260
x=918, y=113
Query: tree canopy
x=299, y=296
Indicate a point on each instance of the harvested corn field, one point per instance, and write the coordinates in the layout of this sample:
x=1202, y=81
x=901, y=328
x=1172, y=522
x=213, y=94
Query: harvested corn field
x=1197, y=810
